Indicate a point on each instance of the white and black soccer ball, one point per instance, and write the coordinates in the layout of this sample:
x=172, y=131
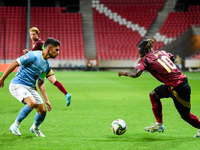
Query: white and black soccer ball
x=118, y=127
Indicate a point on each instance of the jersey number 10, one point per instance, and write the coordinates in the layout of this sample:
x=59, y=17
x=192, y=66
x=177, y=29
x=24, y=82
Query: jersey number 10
x=166, y=63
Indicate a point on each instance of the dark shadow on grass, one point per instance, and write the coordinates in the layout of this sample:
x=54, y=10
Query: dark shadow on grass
x=141, y=139
x=11, y=137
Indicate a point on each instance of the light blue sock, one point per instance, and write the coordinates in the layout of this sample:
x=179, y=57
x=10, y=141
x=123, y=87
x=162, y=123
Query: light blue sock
x=38, y=119
x=23, y=113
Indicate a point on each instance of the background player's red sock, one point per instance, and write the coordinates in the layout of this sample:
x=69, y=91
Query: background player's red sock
x=192, y=119
x=60, y=87
x=157, y=108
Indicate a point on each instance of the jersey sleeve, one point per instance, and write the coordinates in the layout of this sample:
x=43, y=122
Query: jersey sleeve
x=26, y=59
x=49, y=73
x=141, y=64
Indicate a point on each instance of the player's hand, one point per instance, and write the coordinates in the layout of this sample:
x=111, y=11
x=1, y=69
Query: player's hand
x=1, y=83
x=48, y=106
x=25, y=51
x=120, y=73
x=68, y=99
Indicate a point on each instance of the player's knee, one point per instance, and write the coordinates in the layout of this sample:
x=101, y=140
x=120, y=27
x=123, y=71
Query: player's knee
x=43, y=112
x=32, y=104
x=154, y=95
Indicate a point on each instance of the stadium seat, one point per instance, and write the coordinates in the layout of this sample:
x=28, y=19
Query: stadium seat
x=119, y=26
x=178, y=22
x=13, y=31
x=66, y=27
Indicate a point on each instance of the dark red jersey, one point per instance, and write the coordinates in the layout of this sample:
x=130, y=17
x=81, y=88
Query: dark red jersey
x=158, y=63
x=37, y=45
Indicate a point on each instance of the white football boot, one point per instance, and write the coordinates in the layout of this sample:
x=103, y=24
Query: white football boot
x=155, y=128
x=15, y=130
x=36, y=131
x=198, y=134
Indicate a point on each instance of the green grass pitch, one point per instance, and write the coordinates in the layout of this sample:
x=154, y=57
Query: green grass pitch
x=98, y=98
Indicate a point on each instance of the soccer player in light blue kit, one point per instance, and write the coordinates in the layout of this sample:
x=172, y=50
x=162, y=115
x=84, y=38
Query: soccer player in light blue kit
x=22, y=86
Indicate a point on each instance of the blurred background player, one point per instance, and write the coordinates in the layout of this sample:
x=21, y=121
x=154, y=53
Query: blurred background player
x=22, y=86
x=37, y=44
x=178, y=62
x=176, y=85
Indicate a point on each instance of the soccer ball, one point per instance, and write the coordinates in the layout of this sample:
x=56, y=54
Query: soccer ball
x=118, y=127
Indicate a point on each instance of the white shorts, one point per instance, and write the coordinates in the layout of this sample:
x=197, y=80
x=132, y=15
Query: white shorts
x=20, y=92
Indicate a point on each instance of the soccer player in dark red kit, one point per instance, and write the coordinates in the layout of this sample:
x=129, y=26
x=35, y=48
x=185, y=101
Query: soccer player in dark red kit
x=37, y=44
x=160, y=65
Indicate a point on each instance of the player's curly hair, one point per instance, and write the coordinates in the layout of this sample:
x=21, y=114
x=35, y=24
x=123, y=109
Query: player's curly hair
x=146, y=45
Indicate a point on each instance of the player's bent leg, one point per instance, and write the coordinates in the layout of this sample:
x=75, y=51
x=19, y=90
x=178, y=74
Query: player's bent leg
x=30, y=103
x=156, y=106
x=157, y=110
x=39, y=118
x=158, y=93
x=194, y=121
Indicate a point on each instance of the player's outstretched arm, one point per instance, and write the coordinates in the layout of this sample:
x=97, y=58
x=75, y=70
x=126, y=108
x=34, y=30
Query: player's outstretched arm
x=134, y=74
x=10, y=68
x=42, y=90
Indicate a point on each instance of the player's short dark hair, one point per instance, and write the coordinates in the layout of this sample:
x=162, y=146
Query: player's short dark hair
x=51, y=41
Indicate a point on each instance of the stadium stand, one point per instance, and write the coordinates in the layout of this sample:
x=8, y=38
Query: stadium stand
x=13, y=31
x=52, y=23
x=176, y=24
x=67, y=27
x=120, y=25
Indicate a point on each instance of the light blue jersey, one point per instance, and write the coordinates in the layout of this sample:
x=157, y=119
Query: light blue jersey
x=32, y=65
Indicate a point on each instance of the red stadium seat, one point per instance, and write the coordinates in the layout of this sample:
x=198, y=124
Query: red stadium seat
x=66, y=27
x=13, y=26
x=114, y=40
x=179, y=22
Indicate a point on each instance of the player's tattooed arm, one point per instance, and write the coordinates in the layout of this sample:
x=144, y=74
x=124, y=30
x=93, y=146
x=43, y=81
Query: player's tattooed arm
x=134, y=74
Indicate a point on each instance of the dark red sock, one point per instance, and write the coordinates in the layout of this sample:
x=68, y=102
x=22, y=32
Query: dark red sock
x=192, y=120
x=157, y=108
x=60, y=87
